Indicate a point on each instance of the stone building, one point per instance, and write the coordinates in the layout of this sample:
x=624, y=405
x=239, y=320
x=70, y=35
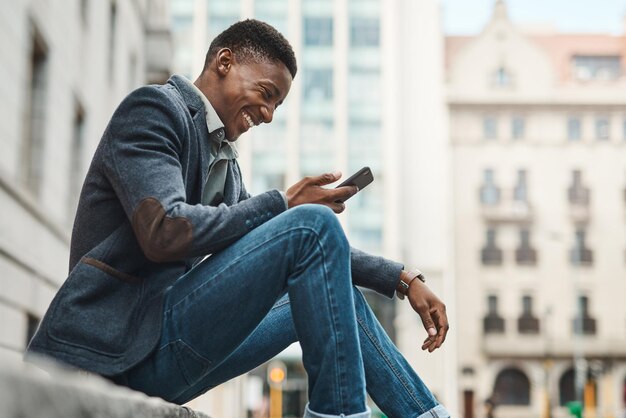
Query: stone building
x=538, y=137
x=65, y=66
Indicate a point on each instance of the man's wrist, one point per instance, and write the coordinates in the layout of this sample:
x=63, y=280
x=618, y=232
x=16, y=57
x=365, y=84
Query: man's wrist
x=406, y=278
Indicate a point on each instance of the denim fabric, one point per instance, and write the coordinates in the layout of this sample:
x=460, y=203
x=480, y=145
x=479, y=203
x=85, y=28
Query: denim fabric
x=230, y=314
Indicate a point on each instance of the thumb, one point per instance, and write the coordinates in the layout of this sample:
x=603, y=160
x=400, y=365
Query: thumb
x=429, y=325
x=327, y=178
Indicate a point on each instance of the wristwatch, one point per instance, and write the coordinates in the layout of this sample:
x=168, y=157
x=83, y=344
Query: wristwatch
x=405, y=280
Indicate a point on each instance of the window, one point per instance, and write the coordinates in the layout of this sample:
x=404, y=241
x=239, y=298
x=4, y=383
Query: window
x=597, y=67
x=489, y=192
x=580, y=254
x=220, y=22
x=602, y=128
x=517, y=127
x=577, y=193
x=318, y=31
x=520, y=192
x=493, y=323
x=490, y=127
x=525, y=254
x=512, y=387
x=501, y=77
x=573, y=128
x=364, y=31
x=491, y=255
x=318, y=84
x=567, y=391
x=364, y=94
x=584, y=324
x=112, y=30
x=32, y=150
x=84, y=13
x=76, y=157
x=527, y=323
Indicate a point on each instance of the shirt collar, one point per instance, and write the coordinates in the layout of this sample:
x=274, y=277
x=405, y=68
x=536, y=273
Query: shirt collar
x=215, y=125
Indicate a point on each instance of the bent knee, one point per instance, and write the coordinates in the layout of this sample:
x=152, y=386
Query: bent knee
x=321, y=219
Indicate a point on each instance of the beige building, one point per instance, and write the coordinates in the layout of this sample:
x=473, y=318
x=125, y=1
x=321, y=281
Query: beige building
x=65, y=66
x=538, y=137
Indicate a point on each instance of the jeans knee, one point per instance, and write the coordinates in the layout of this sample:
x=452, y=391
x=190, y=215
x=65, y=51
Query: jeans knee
x=323, y=221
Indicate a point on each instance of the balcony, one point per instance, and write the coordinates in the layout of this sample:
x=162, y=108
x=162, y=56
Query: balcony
x=493, y=324
x=528, y=325
x=581, y=257
x=506, y=209
x=526, y=256
x=491, y=256
x=579, y=199
x=584, y=326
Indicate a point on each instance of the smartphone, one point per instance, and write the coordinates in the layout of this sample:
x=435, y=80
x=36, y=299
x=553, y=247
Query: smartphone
x=360, y=179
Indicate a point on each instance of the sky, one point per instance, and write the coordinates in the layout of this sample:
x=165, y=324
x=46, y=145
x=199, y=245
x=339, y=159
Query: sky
x=468, y=17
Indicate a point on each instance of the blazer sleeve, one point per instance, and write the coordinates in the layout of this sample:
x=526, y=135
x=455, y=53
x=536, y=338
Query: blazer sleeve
x=376, y=273
x=142, y=148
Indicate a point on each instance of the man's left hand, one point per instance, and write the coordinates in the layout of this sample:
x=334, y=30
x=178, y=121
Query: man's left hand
x=433, y=313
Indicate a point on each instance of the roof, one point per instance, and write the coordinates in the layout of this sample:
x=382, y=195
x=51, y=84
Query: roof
x=561, y=47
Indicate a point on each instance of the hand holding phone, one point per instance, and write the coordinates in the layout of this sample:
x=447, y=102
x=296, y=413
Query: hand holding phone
x=360, y=179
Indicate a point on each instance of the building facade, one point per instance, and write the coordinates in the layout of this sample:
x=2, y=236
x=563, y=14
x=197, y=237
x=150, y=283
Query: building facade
x=65, y=66
x=538, y=138
x=369, y=92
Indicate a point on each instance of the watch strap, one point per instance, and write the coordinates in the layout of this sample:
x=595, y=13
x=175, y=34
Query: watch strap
x=405, y=281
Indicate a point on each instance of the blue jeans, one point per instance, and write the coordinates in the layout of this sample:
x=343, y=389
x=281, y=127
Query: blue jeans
x=287, y=280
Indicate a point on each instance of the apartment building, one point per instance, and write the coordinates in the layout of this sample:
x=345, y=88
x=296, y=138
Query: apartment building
x=538, y=138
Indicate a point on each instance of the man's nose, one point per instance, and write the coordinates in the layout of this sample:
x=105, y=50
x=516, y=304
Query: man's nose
x=267, y=114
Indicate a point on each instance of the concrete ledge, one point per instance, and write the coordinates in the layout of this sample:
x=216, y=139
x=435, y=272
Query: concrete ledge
x=28, y=391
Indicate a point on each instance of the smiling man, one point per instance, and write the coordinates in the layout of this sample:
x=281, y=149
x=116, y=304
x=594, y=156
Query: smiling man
x=143, y=305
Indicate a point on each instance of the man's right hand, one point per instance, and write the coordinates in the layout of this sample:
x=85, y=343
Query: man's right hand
x=310, y=190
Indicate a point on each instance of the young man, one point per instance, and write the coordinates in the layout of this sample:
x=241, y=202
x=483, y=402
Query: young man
x=163, y=191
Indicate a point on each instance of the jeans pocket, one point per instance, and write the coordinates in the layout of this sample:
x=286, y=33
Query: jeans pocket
x=192, y=365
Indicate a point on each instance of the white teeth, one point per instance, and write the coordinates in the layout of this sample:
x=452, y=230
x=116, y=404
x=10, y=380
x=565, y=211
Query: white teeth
x=248, y=118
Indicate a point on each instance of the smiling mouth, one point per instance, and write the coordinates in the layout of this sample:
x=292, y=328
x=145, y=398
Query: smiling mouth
x=248, y=118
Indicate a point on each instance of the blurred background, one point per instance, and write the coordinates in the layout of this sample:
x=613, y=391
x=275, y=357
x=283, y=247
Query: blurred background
x=496, y=132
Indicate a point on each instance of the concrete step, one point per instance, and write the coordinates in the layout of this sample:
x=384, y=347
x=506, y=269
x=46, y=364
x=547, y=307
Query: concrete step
x=27, y=390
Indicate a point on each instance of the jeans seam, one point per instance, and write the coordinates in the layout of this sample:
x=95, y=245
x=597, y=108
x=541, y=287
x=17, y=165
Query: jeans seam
x=389, y=363
x=238, y=258
x=338, y=377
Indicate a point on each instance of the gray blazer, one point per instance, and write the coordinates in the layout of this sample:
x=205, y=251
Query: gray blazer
x=140, y=226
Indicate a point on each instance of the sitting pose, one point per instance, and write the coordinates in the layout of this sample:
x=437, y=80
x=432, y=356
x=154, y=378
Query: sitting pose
x=146, y=308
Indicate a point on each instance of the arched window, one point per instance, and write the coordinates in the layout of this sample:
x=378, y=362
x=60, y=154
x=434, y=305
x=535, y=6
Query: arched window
x=567, y=393
x=512, y=387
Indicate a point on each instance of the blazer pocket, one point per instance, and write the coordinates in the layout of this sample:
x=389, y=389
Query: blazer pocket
x=97, y=309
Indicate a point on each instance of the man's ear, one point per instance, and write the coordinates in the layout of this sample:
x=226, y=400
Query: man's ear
x=224, y=61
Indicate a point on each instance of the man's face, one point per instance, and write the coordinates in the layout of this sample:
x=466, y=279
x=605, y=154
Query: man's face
x=250, y=93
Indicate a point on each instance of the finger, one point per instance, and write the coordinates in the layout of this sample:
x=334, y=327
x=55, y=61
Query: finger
x=343, y=193
x=429, y=324
x=442, y=326
x=337, y=207
x=429, y=345
x=326, y=178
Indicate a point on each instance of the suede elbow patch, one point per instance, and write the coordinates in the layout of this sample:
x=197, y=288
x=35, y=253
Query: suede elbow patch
x=161, y=237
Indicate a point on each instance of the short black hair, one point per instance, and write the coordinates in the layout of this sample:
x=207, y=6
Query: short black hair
x=253, y=39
